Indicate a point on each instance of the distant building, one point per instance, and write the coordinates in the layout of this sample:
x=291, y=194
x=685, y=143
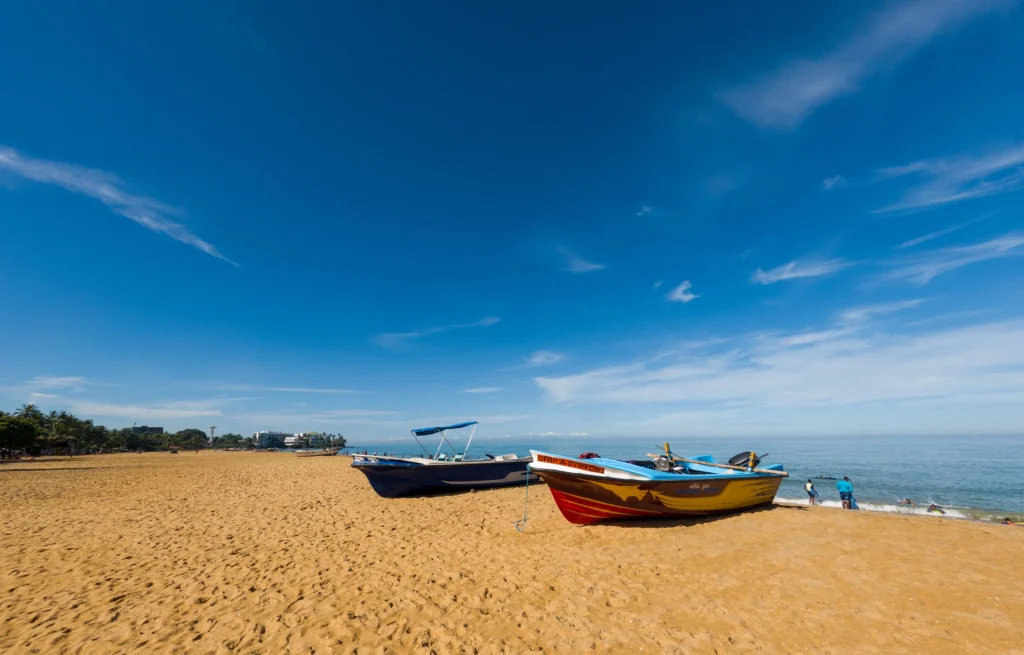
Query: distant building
x=145, y=429
x=270, y=439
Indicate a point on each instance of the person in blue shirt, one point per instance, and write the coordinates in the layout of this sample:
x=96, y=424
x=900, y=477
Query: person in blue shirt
x=845, y=491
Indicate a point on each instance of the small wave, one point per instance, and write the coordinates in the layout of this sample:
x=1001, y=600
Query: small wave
x=919, y=510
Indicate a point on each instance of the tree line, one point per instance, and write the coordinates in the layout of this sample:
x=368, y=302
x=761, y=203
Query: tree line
x=30, y=430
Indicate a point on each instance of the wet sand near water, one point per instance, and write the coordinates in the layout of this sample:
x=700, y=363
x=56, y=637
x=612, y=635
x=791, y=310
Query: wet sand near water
x=272, y=553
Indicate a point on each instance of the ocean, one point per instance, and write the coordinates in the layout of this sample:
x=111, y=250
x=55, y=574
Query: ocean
x=969, y=477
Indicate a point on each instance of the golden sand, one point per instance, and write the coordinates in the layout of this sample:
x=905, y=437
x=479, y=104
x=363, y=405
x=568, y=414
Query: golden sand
x=271, y=553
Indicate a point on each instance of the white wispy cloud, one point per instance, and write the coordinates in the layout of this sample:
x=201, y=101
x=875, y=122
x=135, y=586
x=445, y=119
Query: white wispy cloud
x=175, y=410
x=922, y=268
x=865, y=312
x=798, y=269
x=805, y=338
x=946, y=180
x=657, y=285
x=831, y=182
x=785, y=97
x=108, y=189
x=910, y=243
x=542, y=358
x=978, y=363
x=482, y=390
x=45, y=382
x=257, y=387
x=576, y=264
x=324, y=418
x=398, y=339
x=40, y=387
x=645, y=210
x=681, y=293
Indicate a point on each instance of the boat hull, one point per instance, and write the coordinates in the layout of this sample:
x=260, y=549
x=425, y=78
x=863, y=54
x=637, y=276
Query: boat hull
x=394, y=478
x=586, y=499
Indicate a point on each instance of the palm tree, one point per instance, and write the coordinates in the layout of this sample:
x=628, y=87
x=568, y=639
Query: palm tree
x=29, y=411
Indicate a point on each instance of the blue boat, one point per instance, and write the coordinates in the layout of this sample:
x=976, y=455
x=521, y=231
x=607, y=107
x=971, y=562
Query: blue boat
x=392, y=477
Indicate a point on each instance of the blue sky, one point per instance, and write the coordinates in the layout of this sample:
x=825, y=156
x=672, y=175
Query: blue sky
x=669, y=219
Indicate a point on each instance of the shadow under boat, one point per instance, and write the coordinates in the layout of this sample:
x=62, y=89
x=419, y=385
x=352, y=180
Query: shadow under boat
x=393, y=477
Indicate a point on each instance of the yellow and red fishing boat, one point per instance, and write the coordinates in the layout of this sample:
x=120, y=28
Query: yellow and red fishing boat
x=589, y=489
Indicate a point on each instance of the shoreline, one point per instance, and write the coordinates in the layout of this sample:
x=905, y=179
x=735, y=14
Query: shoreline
x=958, y=513
x=867, y=504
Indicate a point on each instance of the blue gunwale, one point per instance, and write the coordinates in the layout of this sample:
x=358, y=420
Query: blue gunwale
x=707, y=472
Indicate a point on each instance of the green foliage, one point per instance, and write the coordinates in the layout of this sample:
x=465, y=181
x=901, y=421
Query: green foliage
x=17, y=433
x=228, y=440
x=191, y=439
x=30, y=429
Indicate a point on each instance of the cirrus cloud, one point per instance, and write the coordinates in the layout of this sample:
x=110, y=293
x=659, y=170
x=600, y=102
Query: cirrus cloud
x=796, y=269
x=108, y=189
x=785, y=97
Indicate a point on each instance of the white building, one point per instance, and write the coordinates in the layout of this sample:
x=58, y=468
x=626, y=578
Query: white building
x=266, y=438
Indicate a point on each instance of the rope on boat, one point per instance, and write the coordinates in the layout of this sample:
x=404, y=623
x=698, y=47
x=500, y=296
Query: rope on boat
x=521, y=524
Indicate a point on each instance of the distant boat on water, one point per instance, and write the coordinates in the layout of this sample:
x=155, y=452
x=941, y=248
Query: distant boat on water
x=593, y=489
x=391, y=476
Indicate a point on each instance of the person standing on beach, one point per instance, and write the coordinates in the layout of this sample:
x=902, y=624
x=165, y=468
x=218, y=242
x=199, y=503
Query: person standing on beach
x=845, y=491
x=812, y=493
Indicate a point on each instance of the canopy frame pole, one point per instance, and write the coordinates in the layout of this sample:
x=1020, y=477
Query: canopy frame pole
x=469, y=441
x=439, y=444
x=444, y=439
x=425, y=451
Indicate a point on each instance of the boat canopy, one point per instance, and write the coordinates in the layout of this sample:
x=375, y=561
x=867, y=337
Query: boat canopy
x=426, y=432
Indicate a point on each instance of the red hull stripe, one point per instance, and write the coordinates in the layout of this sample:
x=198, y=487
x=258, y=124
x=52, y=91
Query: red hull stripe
x=577, y=514
x=596, y=504
x=584, y=511
x=602, y=511
x=581, y=519
x=569, y=509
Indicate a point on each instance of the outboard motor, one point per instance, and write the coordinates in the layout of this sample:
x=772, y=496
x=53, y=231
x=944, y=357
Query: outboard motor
x=662, y=464
x=744, y=459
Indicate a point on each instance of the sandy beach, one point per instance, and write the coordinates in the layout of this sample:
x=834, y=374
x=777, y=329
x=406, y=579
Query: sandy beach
x=270, y=553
